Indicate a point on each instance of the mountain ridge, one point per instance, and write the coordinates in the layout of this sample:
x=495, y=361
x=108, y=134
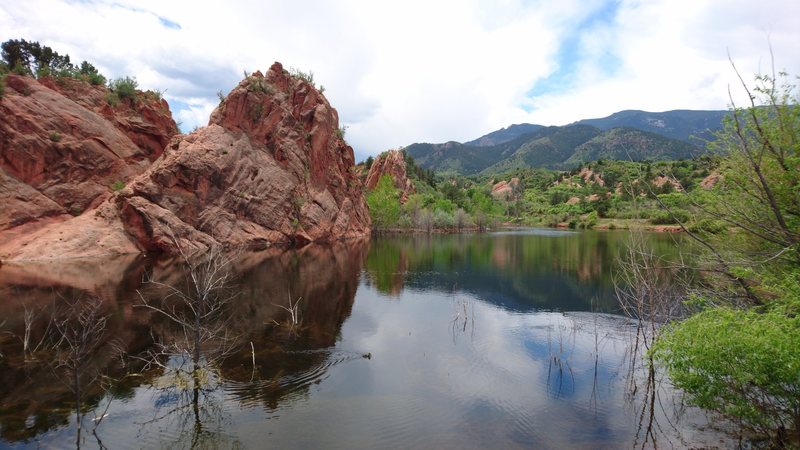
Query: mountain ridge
x=629, y=134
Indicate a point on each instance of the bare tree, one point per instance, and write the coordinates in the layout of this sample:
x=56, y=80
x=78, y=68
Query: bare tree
x=80, y=347
x=425, y=220
x=197, y=308
x=201, y=334
x=650, y=290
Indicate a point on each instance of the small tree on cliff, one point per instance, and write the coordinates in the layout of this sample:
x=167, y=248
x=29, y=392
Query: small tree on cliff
x=384, y=204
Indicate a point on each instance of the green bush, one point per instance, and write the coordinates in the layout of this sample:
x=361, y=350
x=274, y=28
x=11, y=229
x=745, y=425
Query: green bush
x=744, y=365
x=112, y=98
x=384, y=204
x=117, y=186
x=708, y=226
x=443, y=219
x=124, y=87
x=305, y=76
x=662, y=217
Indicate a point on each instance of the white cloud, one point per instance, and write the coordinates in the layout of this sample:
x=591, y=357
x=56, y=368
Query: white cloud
x=428, y=71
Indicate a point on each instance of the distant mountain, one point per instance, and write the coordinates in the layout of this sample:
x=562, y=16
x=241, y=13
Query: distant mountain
x=505, y=134
x=686, y=125
x=636, y=135
x=631, y=144
x=548, y=148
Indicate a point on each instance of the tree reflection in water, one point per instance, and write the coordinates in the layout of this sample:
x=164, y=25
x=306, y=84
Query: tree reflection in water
x=250, y=354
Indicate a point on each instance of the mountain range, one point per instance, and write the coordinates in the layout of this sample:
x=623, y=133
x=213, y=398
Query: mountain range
x=632, y=135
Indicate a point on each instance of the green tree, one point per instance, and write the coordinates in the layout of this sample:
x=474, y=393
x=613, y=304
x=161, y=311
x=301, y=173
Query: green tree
x=384, y=204
x=33, y=58
x=739, y=356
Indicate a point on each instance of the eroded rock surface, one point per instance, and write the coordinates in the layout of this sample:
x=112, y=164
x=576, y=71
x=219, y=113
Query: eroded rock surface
x=270, y=168
x=63, y=146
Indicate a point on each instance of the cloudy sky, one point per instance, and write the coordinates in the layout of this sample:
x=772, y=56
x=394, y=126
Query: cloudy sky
x=428, y=70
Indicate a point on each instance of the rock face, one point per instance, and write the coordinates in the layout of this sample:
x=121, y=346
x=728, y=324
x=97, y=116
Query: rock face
x=506, y=190
x=63, y=147
x=270, y=168
x=391, y=163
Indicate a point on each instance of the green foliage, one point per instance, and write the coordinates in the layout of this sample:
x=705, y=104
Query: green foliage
x=55, y=136
x=443, y=219
x=741, y=358
x=258, y=84
x=118, y=186
x=341, y=131
x=112, y=98
x=662, y=217
x=744, y=365
x=384, y=204
x=124, y=87
x=91, y=74
x=416, y=172
x=308, y=77
x=32, y=58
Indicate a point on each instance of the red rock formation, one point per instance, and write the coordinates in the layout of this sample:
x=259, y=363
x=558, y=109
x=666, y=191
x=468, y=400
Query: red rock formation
x=505, y=190
x=391, y=163
x=661, y=180
x=271, y=168
x=62, y=147
x=711, y=180
x=590, y=177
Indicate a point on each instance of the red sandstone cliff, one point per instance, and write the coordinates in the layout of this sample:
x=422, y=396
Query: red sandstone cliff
x=271, y=168
x=393, y=164
x=62, y=146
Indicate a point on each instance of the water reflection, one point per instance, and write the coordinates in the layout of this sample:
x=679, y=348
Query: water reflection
x=467, y=341
x=521, y=270
x=268, y=365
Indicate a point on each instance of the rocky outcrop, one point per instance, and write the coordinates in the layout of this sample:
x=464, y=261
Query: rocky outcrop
x=391, y=163
x=661, y=180
x=270, y=168
x=506, y=190
x=63, y=146
x=590, y=177
x=711, y=180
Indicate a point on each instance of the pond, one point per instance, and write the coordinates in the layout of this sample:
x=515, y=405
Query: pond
x=512, y=339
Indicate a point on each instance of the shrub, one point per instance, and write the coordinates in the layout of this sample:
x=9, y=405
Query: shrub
x=744, y=365
x=90, y=74
x=257, y=84
x=55, y=136
x=708, y=226
x=112, y=98
x=384, y=205
x=442, y=219
x=117, y=186
x=124, y=87
x=308, y=77
x=661, y=217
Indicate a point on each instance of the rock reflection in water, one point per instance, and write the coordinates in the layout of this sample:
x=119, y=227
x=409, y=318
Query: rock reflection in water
x=37, y=404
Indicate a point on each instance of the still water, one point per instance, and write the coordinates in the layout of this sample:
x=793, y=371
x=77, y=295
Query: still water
x=501, y=340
